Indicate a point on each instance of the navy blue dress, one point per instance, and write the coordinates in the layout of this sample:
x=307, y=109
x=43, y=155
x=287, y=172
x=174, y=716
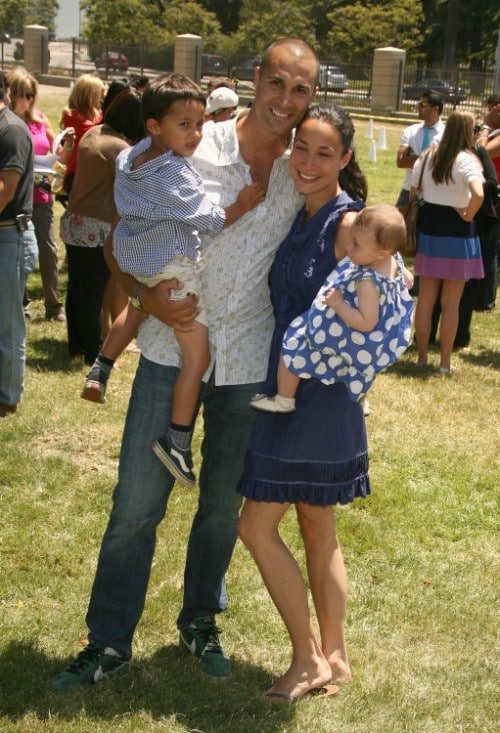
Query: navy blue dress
x=317, y=454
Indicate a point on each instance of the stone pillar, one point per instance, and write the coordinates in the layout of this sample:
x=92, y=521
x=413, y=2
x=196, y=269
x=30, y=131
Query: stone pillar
x=187, y=56
x=387, y=79
x=36, y=49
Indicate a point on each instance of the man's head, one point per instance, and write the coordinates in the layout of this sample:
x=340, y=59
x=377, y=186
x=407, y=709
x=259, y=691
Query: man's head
x=430, y=106
x=4, y=90
x=221, y=104
x=220, y=81
x=285, y=85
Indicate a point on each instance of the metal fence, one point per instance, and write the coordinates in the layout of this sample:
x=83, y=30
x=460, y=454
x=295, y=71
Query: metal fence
x=72, y=57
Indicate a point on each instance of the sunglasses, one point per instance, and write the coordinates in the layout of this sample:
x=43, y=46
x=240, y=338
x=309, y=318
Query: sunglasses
x=29, y=96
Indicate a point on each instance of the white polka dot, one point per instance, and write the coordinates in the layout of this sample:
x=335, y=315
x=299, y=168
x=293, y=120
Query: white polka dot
x=299, y=362
x=320, y=369
x=356, y=387
x=319, y=337
x=336, y=329
x=364, y=357
x=358, y=338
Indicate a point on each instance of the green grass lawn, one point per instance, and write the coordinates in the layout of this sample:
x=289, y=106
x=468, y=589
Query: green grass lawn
x=422, y=555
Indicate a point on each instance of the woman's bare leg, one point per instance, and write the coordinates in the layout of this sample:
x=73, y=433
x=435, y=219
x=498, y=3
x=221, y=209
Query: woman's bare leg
x=451, y=293
x=258, y=528
x=328, y=582
x=428, y=291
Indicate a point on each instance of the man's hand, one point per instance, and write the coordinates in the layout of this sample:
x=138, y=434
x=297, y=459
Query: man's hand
x=178, y=314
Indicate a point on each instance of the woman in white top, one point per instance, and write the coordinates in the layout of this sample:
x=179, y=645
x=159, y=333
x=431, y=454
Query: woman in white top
x=448, y=249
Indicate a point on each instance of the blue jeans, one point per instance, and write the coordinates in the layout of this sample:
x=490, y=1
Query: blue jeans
x=140, y=501
x=18, y=255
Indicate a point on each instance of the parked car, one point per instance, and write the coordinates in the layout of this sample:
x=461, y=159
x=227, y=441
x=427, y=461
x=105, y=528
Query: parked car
x=245, y=70
x=450, y=91
x=332, y=79
x=5, y=37
x=112, y=61
x=213, y=65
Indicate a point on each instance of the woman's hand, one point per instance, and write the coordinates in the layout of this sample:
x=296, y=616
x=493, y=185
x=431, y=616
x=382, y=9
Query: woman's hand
x=178, y=314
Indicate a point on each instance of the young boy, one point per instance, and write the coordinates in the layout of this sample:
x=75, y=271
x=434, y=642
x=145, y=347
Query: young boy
x=162, y=206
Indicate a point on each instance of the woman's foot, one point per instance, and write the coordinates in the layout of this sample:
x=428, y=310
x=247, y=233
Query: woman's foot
x=294, y=684
x=340, y=670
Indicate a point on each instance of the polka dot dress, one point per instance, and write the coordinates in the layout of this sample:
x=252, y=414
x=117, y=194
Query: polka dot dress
x=319, y=344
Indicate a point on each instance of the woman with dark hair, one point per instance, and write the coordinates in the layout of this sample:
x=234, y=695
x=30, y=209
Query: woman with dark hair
x=316, y=456
x=87, y=220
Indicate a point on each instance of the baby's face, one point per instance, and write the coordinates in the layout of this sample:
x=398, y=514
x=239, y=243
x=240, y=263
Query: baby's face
x=363, y=249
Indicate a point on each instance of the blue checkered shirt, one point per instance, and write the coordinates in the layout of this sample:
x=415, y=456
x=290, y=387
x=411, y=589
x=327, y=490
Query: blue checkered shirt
x=162, y=206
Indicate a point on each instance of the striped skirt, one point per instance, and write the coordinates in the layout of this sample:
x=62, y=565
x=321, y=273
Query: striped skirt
x=447, y=247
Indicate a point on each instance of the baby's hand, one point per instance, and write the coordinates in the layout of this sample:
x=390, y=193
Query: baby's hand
x=250, y=196
x=334, y=298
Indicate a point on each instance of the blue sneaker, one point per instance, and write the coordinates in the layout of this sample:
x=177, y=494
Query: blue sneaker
x=90, y=666
x=201, y=639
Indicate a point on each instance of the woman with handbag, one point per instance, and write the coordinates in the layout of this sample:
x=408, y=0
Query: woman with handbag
x=448, y=251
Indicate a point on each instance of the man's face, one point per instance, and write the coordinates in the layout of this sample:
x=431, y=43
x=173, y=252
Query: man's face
x=426, y=111
x=284, y=89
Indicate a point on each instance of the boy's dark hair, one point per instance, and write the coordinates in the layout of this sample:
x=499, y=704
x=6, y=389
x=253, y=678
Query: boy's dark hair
x=162, y=92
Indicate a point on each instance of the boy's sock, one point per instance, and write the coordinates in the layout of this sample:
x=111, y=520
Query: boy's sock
x=180, y=436
x=101, y=369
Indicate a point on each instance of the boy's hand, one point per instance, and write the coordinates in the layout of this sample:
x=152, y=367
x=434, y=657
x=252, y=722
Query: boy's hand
x=250, y=196
x=178, y=314
x=334, y=298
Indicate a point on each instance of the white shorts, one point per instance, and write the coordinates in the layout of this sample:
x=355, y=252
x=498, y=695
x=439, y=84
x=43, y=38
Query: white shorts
x=188, y=272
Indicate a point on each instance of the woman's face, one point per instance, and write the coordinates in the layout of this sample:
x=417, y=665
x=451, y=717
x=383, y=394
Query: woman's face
x=317, y=158
x=23, y=103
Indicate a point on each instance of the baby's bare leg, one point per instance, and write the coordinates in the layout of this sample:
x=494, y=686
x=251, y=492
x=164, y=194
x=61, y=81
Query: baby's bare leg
x=287, y=382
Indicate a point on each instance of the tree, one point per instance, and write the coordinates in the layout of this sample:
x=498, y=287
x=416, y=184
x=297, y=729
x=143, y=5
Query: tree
x=128, y=22
x=15, y=14
x=263, y=21
x=355, y=33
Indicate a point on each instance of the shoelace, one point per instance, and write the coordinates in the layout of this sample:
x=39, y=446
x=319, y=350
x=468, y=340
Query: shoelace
x=212, y=639
x=89, y=654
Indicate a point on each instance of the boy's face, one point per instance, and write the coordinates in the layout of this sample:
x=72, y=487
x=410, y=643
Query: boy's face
x=180, y=130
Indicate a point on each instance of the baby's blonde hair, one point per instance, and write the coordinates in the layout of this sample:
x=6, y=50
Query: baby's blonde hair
x=388, y=224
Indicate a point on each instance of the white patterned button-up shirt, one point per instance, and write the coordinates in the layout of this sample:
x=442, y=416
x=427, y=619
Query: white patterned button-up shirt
x=236, y=264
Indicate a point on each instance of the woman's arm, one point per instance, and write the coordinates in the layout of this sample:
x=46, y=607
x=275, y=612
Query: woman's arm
x=476, y=199
x=177, y=314
x=343, y=237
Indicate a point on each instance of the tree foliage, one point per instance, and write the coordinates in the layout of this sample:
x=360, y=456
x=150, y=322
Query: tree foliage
x=366, y=26
x=15, y=14
x=267, y=20
x=146, y=21
x=338, y=29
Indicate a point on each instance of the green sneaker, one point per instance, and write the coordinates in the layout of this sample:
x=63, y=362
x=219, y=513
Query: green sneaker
x=201, y=639
x=90, y=666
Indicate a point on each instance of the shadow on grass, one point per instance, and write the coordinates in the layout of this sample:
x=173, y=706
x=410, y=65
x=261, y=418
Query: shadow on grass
x=170, y=684
x=482, y=357
x=51, y=354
